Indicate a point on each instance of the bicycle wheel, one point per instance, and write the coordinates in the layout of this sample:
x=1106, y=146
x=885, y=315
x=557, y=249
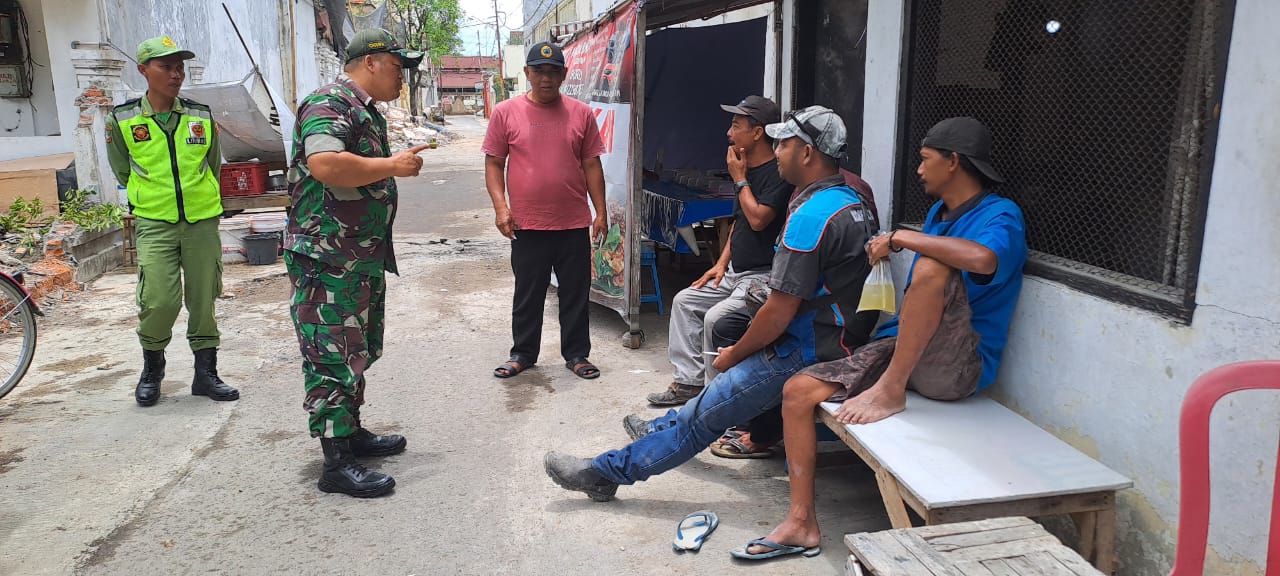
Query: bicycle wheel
x=17, y=335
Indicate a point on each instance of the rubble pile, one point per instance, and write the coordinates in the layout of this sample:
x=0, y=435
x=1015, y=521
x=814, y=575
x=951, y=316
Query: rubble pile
x=403, y=130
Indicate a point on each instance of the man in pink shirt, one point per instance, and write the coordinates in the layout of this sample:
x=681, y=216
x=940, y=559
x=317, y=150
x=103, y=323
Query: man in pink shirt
x=542, y=153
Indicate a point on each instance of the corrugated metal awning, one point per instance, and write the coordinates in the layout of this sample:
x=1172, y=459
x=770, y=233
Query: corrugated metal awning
x=659, y=13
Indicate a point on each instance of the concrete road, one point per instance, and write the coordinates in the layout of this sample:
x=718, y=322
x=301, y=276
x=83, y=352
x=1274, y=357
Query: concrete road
x=90, y=483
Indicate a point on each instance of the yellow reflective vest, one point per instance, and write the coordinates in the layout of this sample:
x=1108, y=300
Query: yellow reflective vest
x=169, y=178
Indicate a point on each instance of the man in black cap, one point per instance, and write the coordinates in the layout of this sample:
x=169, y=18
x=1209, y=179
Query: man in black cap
x=542, y=155
x=759, y=210
x=946, y=341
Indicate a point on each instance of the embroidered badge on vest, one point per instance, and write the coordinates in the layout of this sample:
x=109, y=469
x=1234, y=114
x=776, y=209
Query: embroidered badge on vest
x=196, y=128
x=141, y=133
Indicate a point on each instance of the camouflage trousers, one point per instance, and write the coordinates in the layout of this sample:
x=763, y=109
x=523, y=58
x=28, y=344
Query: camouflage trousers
x=339, y=318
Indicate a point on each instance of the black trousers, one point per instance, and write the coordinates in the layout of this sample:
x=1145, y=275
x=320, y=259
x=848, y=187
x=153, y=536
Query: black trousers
x=535, y=254
x=766, y=429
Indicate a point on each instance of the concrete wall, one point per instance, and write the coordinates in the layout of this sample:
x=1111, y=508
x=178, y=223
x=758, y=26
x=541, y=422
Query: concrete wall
x=307, y=46
x=37, y=115
x=203, y=28
x=1109, y=378
x=61, y=22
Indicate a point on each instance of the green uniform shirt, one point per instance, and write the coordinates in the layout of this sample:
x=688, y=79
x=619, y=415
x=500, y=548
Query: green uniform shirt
x=348, y=228
x=118, y=151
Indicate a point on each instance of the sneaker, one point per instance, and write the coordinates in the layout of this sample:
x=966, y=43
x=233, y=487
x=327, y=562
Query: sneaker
x=577, y=474
x=636, y=427
x=675, y=395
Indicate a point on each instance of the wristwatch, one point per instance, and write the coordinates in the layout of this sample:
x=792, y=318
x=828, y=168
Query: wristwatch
x=741, y=185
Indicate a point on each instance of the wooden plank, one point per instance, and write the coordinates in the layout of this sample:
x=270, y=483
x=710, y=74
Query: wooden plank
x=976, y=451
x=49, y=162
x=882, y=555
x=1078, y=566
x=1086, y=523
x=928, y=532
x=957, y=541
x=892, y=498
x=1038, y=564
x=255, y=202
x=998, y=567
x=1031, y=507
x=1104, y=547
x=924, y=553
x=1003, y=549
x=973, y=569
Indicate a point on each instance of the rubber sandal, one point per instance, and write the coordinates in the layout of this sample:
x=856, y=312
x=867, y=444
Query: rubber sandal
x=583, y=368
x=775, y=551
x=693, y=531
x=507, y=370
x=740, y=448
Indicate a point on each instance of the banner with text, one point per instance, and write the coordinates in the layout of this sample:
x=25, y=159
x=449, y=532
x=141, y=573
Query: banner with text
x=602, y=73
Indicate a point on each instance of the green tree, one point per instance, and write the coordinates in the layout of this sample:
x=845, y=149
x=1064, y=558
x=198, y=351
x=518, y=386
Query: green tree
x=430, y=26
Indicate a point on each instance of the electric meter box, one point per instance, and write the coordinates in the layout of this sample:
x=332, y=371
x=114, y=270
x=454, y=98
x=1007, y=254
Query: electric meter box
x=13, y=81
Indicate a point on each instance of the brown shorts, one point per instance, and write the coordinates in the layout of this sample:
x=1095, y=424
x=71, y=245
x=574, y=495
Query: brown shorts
x=949, y=369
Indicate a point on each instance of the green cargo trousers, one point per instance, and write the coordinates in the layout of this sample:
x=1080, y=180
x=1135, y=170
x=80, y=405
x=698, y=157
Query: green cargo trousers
x=339, y=318
x=177, y=260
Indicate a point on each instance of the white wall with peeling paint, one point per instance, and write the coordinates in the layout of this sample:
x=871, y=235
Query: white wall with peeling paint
x=1110, y=378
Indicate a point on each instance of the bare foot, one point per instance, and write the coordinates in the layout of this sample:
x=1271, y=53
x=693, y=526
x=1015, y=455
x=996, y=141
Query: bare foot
x=877, y=403
x=792, y=533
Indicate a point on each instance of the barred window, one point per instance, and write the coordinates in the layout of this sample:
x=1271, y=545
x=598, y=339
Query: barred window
x=1104, y=116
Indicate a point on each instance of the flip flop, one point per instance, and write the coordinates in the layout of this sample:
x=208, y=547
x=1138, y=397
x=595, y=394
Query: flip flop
x=506, y=370
x=775, y=551
x=693, y=530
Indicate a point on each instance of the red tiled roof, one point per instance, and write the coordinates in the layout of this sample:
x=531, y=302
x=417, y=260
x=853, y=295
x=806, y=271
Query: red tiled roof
x=465, y=80
x=468, y=62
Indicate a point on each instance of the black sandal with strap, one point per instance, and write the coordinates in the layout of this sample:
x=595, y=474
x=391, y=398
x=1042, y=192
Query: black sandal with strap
x=514, y=365
x=583, y=368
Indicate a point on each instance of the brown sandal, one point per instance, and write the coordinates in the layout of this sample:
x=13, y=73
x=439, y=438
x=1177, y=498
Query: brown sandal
x=741, y=448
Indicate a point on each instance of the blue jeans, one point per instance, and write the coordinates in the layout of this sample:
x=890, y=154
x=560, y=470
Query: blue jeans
x=744, y=392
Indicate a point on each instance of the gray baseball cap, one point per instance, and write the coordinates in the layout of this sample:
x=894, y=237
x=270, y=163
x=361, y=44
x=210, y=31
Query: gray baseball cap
x=818, y=126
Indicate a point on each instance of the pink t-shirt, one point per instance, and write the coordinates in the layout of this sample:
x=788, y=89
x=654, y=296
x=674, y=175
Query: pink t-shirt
x=545, y=145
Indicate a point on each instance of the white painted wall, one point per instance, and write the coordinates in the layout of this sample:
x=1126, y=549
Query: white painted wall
x=308, y=65
x=62, y=22
x=1110, y=378
x=37, y=115
x=203, y=28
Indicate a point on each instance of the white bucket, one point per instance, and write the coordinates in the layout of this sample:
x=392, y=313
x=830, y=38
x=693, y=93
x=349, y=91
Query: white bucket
x=232, y=231
x=260, y=223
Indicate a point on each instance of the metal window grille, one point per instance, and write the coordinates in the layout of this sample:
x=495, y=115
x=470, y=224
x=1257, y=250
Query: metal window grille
x=1104, y=115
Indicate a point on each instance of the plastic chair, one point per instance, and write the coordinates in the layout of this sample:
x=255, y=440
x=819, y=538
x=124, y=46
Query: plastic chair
x=1193, y=513
x=650, y=258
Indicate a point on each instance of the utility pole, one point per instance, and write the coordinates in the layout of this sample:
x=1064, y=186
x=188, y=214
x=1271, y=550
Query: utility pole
x=497, y=35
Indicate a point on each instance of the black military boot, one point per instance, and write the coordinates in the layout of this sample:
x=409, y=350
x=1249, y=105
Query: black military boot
x=366, y=444
x=148, y=391
x=207, y=382
x=343, y=474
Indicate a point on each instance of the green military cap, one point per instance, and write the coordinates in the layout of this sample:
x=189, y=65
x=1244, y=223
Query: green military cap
x=376, y=40
x=159, y=47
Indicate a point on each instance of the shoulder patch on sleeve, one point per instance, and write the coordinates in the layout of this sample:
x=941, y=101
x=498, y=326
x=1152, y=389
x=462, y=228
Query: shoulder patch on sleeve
x=805, y=226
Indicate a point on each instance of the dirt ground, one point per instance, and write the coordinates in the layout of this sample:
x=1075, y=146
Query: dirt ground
x=90, y=483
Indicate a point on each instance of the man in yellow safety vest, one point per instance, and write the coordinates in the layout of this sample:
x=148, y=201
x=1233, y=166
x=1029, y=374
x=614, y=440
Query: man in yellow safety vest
x=164, y=149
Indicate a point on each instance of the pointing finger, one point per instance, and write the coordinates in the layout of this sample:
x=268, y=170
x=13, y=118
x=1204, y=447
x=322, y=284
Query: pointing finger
x=416, y=149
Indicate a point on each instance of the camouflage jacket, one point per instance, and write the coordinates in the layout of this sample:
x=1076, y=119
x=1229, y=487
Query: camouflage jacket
x=348, y=228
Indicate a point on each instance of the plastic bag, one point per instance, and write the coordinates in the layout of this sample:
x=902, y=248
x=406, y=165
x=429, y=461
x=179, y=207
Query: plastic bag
x=878, y=292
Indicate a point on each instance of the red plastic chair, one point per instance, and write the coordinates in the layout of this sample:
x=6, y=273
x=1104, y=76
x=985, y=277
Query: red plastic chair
x=1193, y=515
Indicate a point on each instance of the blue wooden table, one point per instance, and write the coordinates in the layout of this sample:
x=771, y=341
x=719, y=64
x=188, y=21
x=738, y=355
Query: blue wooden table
x=669, y=210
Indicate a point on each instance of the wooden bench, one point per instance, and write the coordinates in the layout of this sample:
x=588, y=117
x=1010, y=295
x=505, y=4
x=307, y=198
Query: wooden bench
x=975, y=459
x=997, y=547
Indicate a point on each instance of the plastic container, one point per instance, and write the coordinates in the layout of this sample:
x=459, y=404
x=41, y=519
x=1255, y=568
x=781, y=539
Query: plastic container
x=243, y=179
x=262, y=249
x=232, y=232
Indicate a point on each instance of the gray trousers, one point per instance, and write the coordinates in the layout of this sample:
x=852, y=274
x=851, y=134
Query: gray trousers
x=694, y=312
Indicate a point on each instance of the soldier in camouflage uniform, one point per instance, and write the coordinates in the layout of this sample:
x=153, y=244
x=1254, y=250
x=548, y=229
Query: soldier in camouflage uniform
x=339, y=249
